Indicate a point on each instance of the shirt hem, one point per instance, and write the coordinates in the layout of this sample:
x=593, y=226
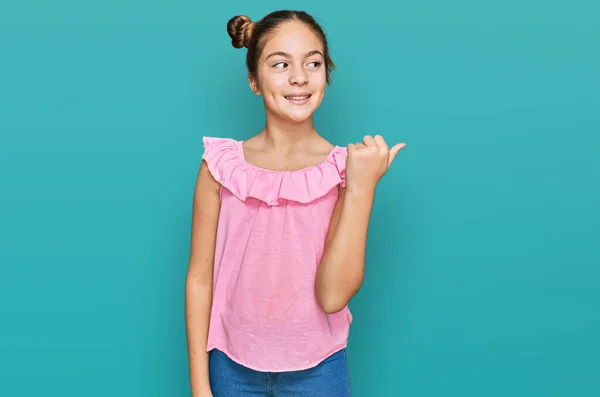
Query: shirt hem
x=310, y=365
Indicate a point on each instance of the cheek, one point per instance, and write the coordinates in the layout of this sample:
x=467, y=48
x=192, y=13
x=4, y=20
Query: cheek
x=272, y=83
x=279, y=84
x=319, y=80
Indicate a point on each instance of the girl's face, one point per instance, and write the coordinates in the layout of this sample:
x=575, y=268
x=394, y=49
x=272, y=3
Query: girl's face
x=291, y=72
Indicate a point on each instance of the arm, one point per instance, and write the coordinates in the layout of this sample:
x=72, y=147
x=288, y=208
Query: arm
x=198, y=284
x=341, y=271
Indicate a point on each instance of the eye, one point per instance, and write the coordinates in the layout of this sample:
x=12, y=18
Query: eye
x=280, y=65
x=315, y=63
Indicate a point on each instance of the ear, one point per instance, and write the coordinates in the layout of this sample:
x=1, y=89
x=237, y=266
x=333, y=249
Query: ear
x=253, y=84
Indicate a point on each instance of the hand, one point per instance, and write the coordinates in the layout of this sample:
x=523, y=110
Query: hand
x=368, y=161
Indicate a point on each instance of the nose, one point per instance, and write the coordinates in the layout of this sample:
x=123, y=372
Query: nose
x=298, y=76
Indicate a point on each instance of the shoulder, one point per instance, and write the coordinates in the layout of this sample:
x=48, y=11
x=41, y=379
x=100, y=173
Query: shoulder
x=326, y=146
x=211, y=143
x=220, y=156
x=205, y=179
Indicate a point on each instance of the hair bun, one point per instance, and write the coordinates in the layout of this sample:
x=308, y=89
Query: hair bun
x=240, y=30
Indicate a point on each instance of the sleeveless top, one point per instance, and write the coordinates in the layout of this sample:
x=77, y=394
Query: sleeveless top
x=270, y=240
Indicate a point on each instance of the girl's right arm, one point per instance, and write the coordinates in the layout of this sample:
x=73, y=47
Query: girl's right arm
x=199, y=280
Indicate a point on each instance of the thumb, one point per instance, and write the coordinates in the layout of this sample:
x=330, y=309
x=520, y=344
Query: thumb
x=394, y=151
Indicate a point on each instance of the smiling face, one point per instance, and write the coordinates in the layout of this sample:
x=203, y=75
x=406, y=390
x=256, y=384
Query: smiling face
x=291, y=72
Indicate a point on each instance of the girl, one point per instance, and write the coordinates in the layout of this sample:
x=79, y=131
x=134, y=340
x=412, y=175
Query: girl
x=279, y=230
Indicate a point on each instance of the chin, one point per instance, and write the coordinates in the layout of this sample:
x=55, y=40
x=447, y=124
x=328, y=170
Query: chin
x=297, y=118
x=297, y=115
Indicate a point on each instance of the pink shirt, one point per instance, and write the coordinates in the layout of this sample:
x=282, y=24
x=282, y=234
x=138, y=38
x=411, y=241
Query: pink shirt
x=270, y=240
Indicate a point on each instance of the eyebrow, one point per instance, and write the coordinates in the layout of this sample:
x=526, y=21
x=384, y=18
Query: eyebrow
x=288, y=55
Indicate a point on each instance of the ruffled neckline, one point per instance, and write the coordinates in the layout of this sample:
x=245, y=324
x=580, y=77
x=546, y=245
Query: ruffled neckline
x=227, y=163
x=242, y=156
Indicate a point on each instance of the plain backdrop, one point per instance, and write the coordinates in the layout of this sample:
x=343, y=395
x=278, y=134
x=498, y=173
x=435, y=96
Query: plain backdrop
x=483, y=253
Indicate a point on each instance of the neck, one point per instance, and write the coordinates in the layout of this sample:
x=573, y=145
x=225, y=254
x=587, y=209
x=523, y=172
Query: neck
x=286, y=133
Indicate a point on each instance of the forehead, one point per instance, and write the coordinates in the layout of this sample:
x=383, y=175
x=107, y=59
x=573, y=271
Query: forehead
x=294, y=37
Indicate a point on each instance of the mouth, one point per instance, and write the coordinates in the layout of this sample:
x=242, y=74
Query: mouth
x=298, y=99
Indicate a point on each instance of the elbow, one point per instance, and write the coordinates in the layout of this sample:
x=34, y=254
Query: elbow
x=332, y=300
x=331, y=303
x=333, y=295
x=331, y=306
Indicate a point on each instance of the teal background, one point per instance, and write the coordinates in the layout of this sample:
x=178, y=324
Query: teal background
x=484, y=253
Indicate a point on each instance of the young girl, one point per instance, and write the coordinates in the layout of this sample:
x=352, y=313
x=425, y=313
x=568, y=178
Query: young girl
x=279, y=230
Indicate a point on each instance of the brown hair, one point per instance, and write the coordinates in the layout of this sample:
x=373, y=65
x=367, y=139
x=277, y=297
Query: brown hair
x=253, y=35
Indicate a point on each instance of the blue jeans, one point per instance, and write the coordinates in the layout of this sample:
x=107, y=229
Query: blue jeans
x=330, y=378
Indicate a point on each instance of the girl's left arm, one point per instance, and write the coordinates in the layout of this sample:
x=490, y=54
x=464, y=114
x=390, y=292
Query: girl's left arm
x=341, y=270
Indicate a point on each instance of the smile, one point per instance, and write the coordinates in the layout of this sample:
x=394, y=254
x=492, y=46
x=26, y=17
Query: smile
x=298, y=99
